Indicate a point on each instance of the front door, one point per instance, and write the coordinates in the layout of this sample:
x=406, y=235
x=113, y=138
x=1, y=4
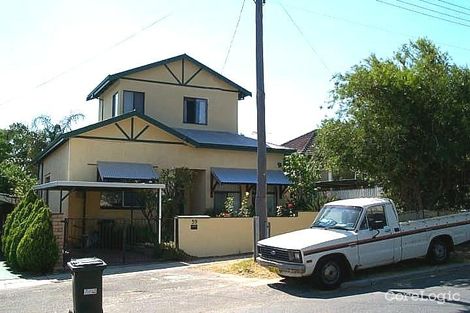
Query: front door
x=373, y=247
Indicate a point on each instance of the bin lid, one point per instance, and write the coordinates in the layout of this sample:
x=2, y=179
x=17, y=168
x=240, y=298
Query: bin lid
x=86, y=263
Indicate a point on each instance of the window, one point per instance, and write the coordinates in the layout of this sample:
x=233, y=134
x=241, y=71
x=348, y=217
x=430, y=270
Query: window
x=121, y=200
x=221, y=196
x=376, y=217
x=195, y=111
x=101, y=108
x=115, y=104
x=133, y=101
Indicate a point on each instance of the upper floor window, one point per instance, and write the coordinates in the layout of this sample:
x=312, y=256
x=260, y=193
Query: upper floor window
x=195, y=111
x=133, y=101
x=115, y=104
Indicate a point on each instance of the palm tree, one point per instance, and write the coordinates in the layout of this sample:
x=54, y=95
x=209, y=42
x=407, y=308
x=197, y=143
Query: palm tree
x=50, y=130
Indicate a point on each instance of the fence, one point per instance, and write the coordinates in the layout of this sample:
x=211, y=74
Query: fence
x=354, y=193
x=113, y=240
x=203, y=236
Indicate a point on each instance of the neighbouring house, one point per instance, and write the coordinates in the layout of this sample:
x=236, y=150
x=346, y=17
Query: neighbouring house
x=168, y=114
x=342, y=185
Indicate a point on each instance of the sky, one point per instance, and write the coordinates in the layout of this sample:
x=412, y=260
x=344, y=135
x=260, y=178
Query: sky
x=54, y=52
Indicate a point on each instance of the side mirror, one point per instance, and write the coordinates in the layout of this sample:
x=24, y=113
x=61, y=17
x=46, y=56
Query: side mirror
x=387, y=229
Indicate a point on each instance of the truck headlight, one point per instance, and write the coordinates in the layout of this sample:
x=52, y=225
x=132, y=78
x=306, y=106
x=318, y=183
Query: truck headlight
x=294, y=256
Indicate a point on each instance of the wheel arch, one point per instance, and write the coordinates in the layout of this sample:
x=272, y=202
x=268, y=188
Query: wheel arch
x=446, y=238
x=345, y=264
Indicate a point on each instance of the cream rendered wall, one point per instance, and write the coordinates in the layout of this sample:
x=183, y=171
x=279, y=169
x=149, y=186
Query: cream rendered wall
x=56, y=166
x=164, y=102
x=107, y=97
x=86, y=152
x=229, y=236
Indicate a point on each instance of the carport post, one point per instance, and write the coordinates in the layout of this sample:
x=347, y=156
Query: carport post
x=159, y=215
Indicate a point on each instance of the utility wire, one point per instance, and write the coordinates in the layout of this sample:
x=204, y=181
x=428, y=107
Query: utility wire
x=422, y=13
x=455, y=5
x=233, y=35
x=305, y=37
x=369, y=26
x=434, y=11
x=444, y=7
x=73, y=67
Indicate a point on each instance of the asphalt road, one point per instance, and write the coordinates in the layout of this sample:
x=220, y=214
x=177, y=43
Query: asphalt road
x=188, y=289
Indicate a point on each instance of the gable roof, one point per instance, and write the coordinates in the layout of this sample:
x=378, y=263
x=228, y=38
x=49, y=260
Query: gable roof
x=302, y=144
x=98, y=90
x=196, y=138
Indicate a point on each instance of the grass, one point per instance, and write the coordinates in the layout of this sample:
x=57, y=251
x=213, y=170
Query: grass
x=245, y=267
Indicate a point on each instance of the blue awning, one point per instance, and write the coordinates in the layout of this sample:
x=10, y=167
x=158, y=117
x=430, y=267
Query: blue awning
x=248, y=176
x=123, y=171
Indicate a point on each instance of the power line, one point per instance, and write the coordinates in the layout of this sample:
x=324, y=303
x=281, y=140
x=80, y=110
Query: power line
x=73, y=67
x=434, y=11
x=455, y=5
x=422, y=13
x=444, y=7
x=233, y=35
x=305, y=37
x=369, y=26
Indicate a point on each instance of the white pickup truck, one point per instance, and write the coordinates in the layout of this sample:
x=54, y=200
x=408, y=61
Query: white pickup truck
x=354, y=234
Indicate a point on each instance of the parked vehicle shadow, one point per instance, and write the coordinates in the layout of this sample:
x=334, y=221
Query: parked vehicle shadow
x=304, y=288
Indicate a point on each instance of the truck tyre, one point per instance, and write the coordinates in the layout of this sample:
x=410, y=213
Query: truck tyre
x=438, y=252
x=329, y=273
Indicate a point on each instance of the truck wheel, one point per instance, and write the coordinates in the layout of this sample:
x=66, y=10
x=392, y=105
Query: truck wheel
x=438, y=252
x=329, y=273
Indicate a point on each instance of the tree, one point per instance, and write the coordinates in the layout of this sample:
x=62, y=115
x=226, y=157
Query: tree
x=303, y=171
x=50, y=130
x=405, y=123
x=20, y=144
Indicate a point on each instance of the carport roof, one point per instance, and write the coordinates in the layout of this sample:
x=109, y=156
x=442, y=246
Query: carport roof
x=94, y=185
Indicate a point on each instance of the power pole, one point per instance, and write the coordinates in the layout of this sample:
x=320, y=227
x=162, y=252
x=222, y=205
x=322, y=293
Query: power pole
x=261, y=187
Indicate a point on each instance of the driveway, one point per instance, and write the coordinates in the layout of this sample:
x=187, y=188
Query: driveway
x=188, y=289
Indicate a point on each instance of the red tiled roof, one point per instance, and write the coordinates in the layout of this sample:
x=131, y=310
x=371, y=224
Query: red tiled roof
x=302, y=143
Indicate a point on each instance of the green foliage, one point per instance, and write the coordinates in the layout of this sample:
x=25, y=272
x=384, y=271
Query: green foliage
x=403, y=122
x=229, y=206
x=303, y=171
x=20, y=144
x=169, y=252
x=38, y=251
x=14, y=219
x=177, y=186
x=28, y=220
x=246, y=210
x=319, y=201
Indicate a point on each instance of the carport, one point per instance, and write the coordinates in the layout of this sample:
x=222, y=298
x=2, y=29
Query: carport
x=120, y=240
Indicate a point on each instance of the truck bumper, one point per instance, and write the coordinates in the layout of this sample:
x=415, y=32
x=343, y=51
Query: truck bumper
x=283, y=269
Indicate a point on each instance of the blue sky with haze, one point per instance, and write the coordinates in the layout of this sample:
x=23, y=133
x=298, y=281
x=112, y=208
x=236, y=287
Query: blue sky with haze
x=53, y=53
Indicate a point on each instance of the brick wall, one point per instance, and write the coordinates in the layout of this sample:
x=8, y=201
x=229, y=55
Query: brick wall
x=58, y=229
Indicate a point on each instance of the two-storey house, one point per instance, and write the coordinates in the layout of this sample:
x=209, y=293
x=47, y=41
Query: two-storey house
x=169, y=114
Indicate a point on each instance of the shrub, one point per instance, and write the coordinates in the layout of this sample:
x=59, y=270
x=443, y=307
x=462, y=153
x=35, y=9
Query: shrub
x=169, y=252
x=38, y=251
x=14, y=219
x=25, y=219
